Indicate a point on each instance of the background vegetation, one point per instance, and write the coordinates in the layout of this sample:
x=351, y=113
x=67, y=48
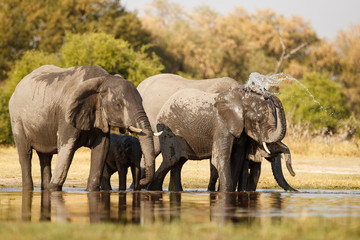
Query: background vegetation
x=197, y=44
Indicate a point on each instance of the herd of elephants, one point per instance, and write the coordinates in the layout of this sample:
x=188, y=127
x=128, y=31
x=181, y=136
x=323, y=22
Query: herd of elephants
x=58, y=110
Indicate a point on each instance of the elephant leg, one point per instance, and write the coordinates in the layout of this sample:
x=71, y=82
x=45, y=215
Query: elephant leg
x=99, y=152
x=221, y=155
x=122, y=176
x=175, y=176
x=168, y=162
x=65, y=156
x=255, y=171
x=45, y=164
x=244, y=176
x=213, y=177
x=105, y=179
x=25, y=155
x=135, y=173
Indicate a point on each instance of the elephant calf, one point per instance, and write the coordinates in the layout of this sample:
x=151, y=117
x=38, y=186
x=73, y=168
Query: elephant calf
x=124, y=152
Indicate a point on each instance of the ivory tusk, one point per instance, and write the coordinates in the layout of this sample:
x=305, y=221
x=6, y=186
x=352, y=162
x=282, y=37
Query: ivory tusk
x=157, y=134
x=135, y=130
x=266, y=148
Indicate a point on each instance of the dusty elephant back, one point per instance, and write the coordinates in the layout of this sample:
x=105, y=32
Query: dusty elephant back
x=156, y=90
x=184, y=109
x=41, y=97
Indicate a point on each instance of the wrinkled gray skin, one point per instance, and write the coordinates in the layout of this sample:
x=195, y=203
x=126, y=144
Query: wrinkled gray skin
x=124, y=152
x=55, y=110
x=199, y=125
x=254, y=154
x=156, y=90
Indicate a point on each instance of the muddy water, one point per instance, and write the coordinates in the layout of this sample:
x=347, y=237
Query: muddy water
x=198, y=206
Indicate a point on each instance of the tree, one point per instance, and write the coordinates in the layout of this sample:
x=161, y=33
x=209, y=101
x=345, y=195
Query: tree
x=206, y=44
x=348, y=45
x=115, y=55
x=42, y=25
x=320, y=102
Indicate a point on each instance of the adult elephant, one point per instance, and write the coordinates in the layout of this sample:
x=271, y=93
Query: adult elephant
x=198, y=125
x=57, y=110
x=251, y=168
x=156, y=90
x=124, y=152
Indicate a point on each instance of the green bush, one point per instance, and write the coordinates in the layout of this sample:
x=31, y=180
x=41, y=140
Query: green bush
x=325, y=109
x=115, y=55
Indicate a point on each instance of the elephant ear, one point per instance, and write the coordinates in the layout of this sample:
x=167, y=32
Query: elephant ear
x=84, y=110
x=229, y=108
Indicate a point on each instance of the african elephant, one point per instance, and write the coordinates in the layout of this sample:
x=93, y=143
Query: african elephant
x=198, y=125
x=248, y=181
x=124, y=152
x=156, y=90
x=57, y=110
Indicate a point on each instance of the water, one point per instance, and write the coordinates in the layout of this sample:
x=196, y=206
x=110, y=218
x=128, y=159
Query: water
x=191, y=206
x=263, y=82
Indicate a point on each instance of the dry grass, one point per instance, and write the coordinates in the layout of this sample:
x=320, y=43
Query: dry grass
x=319, y=164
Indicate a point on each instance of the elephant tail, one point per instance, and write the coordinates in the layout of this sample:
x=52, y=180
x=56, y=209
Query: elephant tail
x=279, y=176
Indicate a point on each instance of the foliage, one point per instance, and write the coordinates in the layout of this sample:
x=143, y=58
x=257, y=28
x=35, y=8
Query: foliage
x=348, y=44
x=43, y=24
x=325, y=109
x=206, y=44
x=114, y=55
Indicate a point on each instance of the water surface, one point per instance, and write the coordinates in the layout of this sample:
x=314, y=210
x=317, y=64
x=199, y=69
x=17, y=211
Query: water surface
x=193, y=206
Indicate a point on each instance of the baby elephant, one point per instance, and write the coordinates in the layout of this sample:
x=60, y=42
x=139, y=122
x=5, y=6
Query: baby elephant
x=124, y=152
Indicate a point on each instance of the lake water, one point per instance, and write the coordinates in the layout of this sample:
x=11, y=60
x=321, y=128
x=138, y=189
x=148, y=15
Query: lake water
x=193, y=206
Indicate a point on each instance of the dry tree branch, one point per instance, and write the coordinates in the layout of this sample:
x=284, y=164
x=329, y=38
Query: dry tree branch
x=285, y=56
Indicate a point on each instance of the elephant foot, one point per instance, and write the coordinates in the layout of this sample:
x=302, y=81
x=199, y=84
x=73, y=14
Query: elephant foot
x=54, y=187
x=92, y=188
x=154, y=187
x=28, y=188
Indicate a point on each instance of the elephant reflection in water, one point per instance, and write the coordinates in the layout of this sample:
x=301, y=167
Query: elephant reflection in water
x=147, y=207
x=47, y=199
x=241, y=207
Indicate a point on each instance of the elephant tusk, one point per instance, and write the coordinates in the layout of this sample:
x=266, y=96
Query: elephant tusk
x=283, y=146
x=135, y=130
x=157, y=134
x=266, y=148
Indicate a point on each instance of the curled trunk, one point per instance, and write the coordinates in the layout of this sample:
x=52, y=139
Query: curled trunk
x=147, y=146
x=279, y=132
x=278, y=174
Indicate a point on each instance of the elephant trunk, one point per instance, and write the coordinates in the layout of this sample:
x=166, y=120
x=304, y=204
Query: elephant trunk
x=147, y=146
x=280, y=122
x=287, y=155
x=278, y=174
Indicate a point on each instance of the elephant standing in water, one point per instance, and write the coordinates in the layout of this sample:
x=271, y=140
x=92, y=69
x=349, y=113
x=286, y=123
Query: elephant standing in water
x=254, y=154
x=198, y=125
x=156, y=90
x=124, y=152
x=57, y=110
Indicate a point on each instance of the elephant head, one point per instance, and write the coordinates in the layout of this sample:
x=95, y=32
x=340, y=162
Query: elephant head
x=112, y=101
x=256, y=152
x=259, y=114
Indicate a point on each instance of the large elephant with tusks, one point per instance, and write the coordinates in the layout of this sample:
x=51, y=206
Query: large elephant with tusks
x=57, y=110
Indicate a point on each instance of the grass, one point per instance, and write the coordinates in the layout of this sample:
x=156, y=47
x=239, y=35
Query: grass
x=313, y=228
